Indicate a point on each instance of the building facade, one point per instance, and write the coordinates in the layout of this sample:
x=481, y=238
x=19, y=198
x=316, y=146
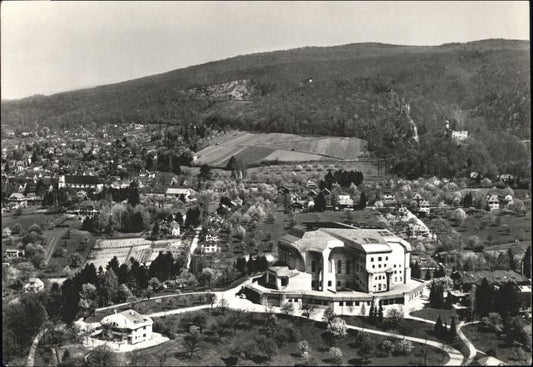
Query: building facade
x=127, y=326
x=345, y=263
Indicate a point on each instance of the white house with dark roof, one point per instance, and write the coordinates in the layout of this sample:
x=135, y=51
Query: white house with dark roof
x=493, y=202
x=127, y=326
x=34, y=285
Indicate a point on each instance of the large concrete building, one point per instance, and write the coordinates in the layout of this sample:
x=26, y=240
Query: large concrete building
x=340, y=264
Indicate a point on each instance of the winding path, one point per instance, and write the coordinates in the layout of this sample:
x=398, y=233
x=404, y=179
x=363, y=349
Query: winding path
x=455, y=357
x=472, y=351
x=31, y=355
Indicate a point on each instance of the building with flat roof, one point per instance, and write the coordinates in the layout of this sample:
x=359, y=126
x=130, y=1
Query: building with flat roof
x=340, y=263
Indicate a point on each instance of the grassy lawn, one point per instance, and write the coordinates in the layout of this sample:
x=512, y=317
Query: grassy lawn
x=365, y=216
x=491, y=343
x=430, y=313
x=496, y=234
x=215, y=352
x=69, y=246
x=26, y=220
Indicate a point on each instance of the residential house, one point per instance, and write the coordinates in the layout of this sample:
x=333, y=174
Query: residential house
x=345, y=201
x=34, y=285
x=464, y=280
x=178, y=191
x=6, y=232
x=311, y=185
x=17, y=200
x=493, y=202
x=15, y=253
x=80, y=182
x=424, y=207
x=127, y=326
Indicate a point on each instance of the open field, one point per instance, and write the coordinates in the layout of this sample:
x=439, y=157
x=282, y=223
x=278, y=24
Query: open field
x=253, y=148
x=510, y=228
x=215, y=352
x=311, y=170
x=26, y=220
x=356, y=217
x=68, y=247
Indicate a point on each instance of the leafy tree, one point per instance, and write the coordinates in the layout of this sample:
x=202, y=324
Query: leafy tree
x=200, y=321
x=438, y=327
x=428, y=274
x=241, y=264
x=207, y=277
x=75, y=260
x=467, y=200
x=192, y=340
x=336, y=355
x=362, y=201
x=113, y=264
x=415, y=270
x=35, y=228
x=266, y=346
x=365, y=350
x=452, y=333
x=103, y=356
x=395, y=316
x=304, y=347
x=403, y=347
x=307, y=309
x=506, y=300
x=385, y=347
x=251, y=265
x=88, y=299
x=527, y=262
x=320, y=202
x=329, y=314
x=110, y=285
x=484, y=297
x=22, y=320
x=287, y=308
x=380, y=314
x=337, y=327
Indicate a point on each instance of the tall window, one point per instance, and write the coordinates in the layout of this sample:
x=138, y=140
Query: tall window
x=313, y=266
x=348, y=267
x=339, y=266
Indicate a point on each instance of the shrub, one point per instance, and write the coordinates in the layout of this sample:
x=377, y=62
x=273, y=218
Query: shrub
x=336, y=355
x=304, y=347
x=385, y=347
x=403, y=347
x=337, y=327
x=287, y=308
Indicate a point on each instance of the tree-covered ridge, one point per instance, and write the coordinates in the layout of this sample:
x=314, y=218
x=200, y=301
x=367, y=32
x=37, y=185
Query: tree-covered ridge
x=371, y=91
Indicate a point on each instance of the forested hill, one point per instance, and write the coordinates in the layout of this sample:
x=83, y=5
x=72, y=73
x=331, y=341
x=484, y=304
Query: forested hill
x=373, y=91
